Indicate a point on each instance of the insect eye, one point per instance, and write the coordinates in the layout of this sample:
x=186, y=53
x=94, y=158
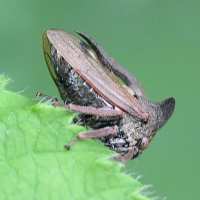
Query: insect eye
x=144, y=143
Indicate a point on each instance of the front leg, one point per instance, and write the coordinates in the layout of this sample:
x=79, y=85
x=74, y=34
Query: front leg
x=99, y=133
x=123, y=159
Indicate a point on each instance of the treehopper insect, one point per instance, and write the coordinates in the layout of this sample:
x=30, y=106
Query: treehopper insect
x=120, y=115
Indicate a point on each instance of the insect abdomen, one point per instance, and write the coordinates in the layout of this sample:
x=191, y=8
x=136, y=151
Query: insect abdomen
x=73, y=88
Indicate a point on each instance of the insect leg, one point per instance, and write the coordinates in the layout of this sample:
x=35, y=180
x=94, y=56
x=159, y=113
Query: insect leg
x=84, y=109
x=126, y=157
x=111, y=64
x=95, y=111
x=99, y=133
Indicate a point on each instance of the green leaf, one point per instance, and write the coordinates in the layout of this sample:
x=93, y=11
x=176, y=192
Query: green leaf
x=35, y=165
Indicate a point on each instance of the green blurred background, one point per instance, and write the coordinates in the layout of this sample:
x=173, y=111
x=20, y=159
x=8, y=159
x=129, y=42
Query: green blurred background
x=158, y=41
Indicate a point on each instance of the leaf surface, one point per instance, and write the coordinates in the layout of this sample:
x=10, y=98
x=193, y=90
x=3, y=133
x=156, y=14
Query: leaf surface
x=35, y=165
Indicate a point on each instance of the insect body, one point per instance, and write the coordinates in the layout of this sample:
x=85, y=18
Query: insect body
x=121, y=116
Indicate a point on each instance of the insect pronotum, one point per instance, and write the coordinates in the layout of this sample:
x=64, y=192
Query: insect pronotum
x=120, y=115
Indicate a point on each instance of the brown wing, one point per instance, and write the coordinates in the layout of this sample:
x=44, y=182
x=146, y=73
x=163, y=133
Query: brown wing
x=118, y=70
x=101, y=79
